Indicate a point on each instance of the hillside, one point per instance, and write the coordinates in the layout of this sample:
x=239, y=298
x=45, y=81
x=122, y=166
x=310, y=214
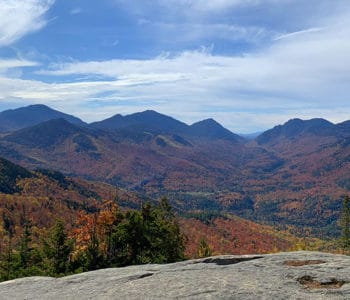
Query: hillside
x=139, y=160
x=313, y=175
x=44, y=196
x=9, y=174
x=295, y=275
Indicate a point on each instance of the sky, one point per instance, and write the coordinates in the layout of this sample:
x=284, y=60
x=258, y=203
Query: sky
x=249, y=64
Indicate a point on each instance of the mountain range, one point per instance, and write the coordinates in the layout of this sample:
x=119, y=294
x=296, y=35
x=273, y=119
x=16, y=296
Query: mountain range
x=294, y=174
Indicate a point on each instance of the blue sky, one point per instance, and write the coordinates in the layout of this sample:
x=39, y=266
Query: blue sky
x=249, y=64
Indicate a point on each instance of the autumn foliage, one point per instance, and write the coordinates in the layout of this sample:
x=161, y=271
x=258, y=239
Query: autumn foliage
x=104, y=236
x=54, y=225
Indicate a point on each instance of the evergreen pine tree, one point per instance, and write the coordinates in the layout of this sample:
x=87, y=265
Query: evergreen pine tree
x=58, y=249
x=6, y=267
x=25, y=249
x=345, y=224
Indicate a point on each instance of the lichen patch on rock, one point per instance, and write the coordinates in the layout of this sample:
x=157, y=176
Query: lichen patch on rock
x=311, y=283
x=300, y=263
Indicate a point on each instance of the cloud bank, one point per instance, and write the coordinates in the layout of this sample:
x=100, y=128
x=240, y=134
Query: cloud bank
x=308, y=69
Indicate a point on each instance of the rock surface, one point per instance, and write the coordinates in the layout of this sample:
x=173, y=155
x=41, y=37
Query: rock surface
x=295, y=275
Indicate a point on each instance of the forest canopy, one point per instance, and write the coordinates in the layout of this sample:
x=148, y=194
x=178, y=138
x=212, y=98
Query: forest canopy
x=107, y=238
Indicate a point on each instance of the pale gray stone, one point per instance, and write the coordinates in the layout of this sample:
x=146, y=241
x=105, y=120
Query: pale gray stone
x=221, y=277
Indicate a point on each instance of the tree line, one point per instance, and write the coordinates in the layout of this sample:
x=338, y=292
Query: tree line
x=108, y=238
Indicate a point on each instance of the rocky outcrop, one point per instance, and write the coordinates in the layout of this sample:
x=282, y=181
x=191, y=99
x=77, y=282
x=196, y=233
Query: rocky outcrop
x=295, y=275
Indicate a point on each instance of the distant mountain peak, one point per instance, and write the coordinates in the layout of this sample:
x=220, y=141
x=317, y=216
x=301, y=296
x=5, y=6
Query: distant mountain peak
x=310, y=122
x=29, y=107
x=209, y=121
x=149, y=112
x=296, y=127
x=148, y=120
x=43, y=106
x=209, y=128
x=59, y=122
x=15, y=119
x=44, y=134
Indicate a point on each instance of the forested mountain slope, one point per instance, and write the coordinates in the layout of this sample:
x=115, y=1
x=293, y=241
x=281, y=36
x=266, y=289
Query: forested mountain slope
x=294, y=174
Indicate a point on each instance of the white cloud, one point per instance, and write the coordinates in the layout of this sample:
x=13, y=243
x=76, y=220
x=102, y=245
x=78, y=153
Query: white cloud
x=18, y=18
x=205, y=5
x=15, y=63
x=297, y=33
x=189, y=23
x=194, y=5
x=75, y=11
x=301, y=73
x=300, y=67
x=189, y=32
x=306, y=71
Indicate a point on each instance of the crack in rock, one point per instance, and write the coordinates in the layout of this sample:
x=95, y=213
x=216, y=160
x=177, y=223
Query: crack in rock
x=220, y=261
x=137, y=277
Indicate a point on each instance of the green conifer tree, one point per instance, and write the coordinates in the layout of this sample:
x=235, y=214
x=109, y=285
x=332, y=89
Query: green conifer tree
x=345, y=224
x=58, y=249
x=6, y=267
x=25, y=249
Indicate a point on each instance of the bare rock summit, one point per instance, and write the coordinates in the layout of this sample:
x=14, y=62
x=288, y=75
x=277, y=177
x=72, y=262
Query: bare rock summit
x=294, y=275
